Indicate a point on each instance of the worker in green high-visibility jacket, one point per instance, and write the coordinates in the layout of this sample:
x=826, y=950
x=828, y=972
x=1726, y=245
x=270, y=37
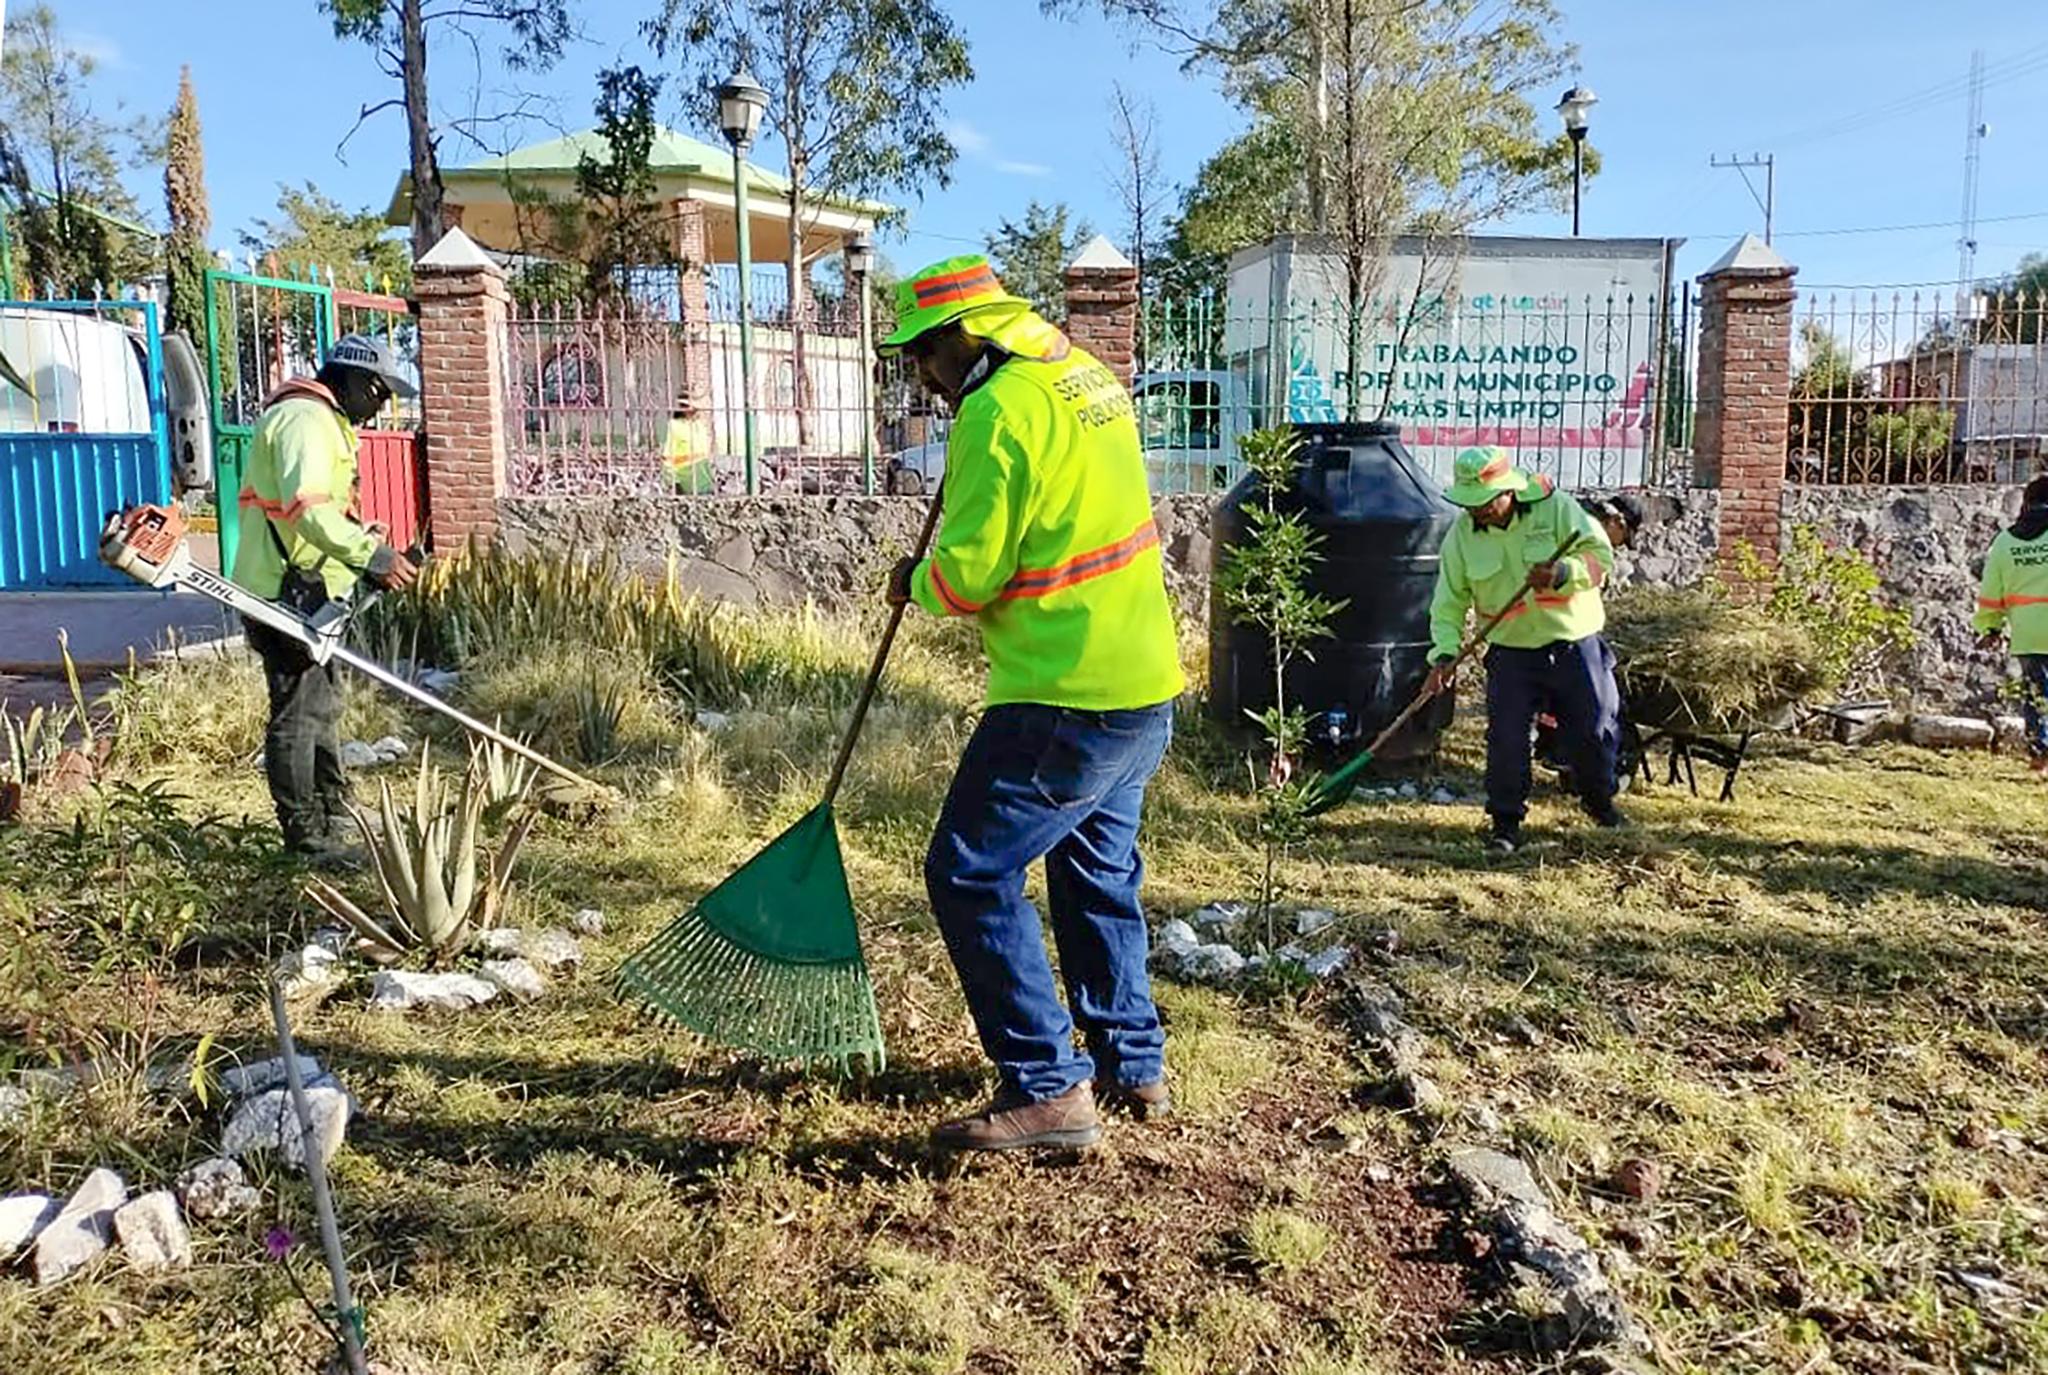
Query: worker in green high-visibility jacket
x=1047, y=544
x=1503, y=555
x=303, y=545
x=2013, y=600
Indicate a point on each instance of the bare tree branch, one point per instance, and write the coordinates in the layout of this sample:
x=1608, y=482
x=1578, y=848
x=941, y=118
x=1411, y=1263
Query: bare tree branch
x=362, y=118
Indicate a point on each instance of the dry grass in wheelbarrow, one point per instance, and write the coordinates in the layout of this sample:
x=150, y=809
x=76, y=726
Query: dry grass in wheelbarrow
x=1708, y=659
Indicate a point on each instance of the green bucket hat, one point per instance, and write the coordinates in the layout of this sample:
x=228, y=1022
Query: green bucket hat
x=1480, y=475
x=944, y=292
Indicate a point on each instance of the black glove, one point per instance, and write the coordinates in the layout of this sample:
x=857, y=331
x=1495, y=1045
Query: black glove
x=899, y=581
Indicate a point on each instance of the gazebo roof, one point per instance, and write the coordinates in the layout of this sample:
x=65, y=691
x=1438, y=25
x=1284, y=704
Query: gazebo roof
x=675, y=157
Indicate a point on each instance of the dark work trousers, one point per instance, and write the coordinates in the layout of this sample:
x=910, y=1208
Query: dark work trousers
x=302, y=747
x=1574, y=679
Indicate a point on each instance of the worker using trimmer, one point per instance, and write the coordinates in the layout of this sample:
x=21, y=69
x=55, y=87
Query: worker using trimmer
x=2014, y=599
x=302, y=546
x=1047, y=542
x=1505, y=553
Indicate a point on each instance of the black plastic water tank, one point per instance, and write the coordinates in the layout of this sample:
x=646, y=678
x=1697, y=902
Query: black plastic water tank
x=1382, y=520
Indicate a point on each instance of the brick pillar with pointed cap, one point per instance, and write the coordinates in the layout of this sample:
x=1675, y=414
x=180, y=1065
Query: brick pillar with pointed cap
x=1102, y=306
x=463, y=304
x=1745, y=385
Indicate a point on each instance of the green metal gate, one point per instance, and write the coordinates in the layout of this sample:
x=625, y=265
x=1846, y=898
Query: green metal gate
x=260, y=331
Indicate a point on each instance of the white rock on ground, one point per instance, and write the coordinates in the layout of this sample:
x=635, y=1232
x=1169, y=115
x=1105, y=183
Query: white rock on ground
x=261, y=1076
x=79, y=1234
x=2012, y=730
x=390, y=749
x=1176, y=932
x=1590, y=1313
x=438, y=681
x=501, y=941
x=1443, y=797
x=308, y=972
x=152, y=1233
x=13, y=1103
x=1217, y=916
x=588, y=922
x=216, y=1189
x=335, y=940
x=268, y=1123
x=1950, y=732
x=1208, y=964
x=516, y=977
x=717, y=722
x=395, y=990
x=21, y=1217
x=1327, y=962
x=551, y=949
x=357, y=755
x=1311, y=920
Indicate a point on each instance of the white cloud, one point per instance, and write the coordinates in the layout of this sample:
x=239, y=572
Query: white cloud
x=105, y=51
x=968, y=139
x=975, y=144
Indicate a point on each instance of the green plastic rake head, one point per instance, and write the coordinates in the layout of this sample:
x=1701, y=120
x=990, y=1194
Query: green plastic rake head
x=770, y=959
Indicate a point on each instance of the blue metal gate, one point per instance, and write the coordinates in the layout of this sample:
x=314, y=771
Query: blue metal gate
x=90, y=436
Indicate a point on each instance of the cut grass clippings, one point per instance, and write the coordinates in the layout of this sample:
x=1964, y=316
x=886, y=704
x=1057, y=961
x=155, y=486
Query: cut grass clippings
x=1817, y=1010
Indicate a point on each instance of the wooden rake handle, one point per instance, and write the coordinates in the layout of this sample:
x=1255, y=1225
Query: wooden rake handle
x=867, y=690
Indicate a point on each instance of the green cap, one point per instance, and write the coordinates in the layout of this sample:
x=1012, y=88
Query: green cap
x=1480, y=475
x=944, y=292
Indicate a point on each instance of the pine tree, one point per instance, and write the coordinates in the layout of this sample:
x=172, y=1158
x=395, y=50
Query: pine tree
x=185, y=203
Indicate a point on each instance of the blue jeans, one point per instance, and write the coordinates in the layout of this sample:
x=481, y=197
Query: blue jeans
x=1068, y=786
x=2034, y=672
x=1575, y=679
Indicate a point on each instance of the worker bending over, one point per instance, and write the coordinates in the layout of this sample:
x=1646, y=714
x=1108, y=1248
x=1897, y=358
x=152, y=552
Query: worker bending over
x=1047, y=542
x=302, y=545
x=1547, y=648
x=2014, y=599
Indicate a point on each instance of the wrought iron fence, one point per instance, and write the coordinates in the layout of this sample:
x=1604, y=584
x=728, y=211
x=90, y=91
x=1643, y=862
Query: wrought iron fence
x=1892, y=389
x=618, y=399
x=1592, y=392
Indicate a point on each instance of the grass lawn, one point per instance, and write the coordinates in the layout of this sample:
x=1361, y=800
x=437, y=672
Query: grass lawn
x=1818, y=1011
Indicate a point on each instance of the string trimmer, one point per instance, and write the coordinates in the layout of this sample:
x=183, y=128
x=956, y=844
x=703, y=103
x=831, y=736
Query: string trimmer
x=770, y=959
x=148, y=544
x=1333, y=788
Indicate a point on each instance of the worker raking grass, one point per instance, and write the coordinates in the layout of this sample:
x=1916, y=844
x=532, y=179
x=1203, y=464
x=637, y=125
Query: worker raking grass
x=1048, y=544
x=1531, y=561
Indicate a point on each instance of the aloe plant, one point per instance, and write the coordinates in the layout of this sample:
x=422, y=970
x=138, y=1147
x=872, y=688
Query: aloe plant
x=506, y=777
x=439, y=881
x=33, y=743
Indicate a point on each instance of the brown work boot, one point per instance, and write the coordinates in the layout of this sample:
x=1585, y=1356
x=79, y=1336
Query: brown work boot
x=1146, y=1102
x=1012, y=1122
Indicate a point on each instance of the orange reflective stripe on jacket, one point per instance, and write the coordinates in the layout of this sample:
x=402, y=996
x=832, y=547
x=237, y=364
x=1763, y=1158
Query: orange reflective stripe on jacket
x=278, y=510
x=1039, y=582
x=2005, y=603
x=955, y=603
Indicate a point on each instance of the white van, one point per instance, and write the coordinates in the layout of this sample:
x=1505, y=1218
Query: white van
x=85, y=374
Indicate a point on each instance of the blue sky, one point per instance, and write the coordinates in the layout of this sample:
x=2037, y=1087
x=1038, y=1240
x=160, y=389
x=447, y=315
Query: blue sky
x=1862, y=100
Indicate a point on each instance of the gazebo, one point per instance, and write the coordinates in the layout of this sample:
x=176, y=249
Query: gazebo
x=602, y=386
x=492, y=200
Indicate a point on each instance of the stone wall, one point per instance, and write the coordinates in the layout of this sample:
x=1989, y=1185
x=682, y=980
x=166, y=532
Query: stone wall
x=1928, y=544
x=766, y=550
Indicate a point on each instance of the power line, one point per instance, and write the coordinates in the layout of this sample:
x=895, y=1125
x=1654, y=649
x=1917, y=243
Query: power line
x=2020, y=64
x=1878, y=228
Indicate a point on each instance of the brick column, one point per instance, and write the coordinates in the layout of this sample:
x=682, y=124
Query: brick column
x=693, y=257
x=463, y=304
x=1745, y=383
x=1102, y=306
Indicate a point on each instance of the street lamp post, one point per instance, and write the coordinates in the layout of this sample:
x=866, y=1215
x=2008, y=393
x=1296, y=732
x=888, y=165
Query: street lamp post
x=1576, y=109
x=741, y=102
x=860, y=261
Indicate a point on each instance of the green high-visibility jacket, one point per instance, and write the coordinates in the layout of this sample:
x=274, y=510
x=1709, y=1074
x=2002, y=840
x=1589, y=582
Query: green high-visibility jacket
x=1048, y=542
x=1484, y=570
x=300, y=481
x=2014, y=593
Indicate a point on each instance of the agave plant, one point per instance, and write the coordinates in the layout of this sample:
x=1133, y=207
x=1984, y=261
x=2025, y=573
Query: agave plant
x=33, y=743
x=506, y=777
x=439, y=883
